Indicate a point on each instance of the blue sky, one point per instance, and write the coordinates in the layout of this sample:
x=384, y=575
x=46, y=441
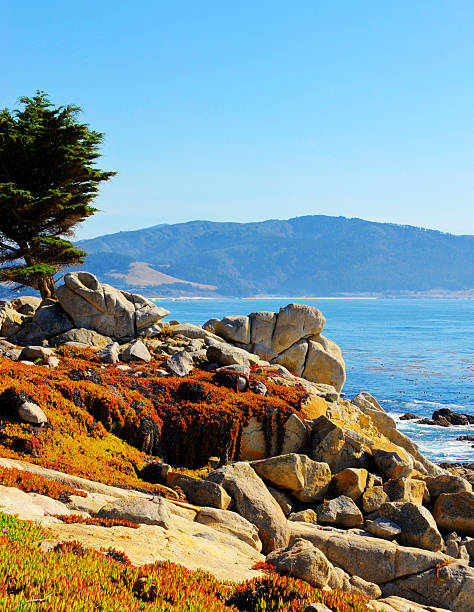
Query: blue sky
x=249, y=110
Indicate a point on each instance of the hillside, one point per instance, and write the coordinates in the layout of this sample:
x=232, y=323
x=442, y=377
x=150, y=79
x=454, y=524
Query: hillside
x=313, y=255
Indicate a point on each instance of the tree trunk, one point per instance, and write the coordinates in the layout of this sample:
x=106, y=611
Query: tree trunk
x=46, y=287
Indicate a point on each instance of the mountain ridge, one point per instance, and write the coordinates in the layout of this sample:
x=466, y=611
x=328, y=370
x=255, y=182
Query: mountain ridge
x=314, y=254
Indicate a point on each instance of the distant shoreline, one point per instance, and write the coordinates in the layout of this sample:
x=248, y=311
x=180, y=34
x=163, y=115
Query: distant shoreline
x=414, y=296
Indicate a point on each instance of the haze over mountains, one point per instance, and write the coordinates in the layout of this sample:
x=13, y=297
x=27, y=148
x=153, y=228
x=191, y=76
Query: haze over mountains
x=305, y=256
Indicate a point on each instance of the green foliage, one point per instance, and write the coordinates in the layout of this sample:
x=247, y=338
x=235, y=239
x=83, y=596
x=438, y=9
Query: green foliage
x=74, y=579
x=47, y=183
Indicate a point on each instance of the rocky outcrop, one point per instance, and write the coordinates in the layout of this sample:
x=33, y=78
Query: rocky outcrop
x=291, y=338
x=253, y=501
x=231, y=523
x=153, y=512
x=100, y=307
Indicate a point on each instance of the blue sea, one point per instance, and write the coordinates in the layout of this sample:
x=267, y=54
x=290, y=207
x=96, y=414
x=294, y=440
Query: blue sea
x=413, y=355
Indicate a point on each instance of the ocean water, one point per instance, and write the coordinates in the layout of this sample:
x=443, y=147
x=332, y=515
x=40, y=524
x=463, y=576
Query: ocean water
x=413, y=355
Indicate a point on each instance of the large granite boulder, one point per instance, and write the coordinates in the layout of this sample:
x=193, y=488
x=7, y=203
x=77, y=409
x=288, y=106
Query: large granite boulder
x=49, y=320
x=418, y=525
x=303, y=560
x=306, y=480
x=254, y=502
x=292, y=338
x=103, y=308
x=455, y=512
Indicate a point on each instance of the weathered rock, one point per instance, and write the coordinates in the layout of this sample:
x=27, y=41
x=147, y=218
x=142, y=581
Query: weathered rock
x=307, y=516
x=305, y=561
x=284, y=500
x=455, y=511
x=48, y=545
x=393, y=464
x=294, y=322
x=232, y=523
x=296, y=436
x=307, y=480
x=406, y=489
x=373, y=498
x=317, y=607
x=294, y=357
x=449, y=586
x=31, y=353
x=138, y=511
x=313, y=407
x=48, y=505
x=103, y=308
x=52, y=361
x=350, y=482
x=370, y=558
x=253, y=501
x=110, y=353
x=226, y=354
x=136, y=351
x=235, y=328
x=387, y=426
x=49, y=320
x=31, y=413
x=262, y=325
x=26, y=304
x=14, y=501
x=339, y=447
x=417, y=524
x=180, y=364
x=254, y=443
x=340, y=511
x=259, y=388
x=383, y=528
x=194, y=332
x=324, y=363
x=10, y=321
x=200, y=492
x=85, y=336
x=447, y=483
x=302, y=560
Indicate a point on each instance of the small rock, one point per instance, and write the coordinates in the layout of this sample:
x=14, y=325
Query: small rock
x=200, y=492
x=110, y=353
x=406, y=489
x=31, y=353
x=317, y=607
x=48, y=545
x=340, y=511
x=52, y=362
x=136, y=351
x=259, y=388
x=350, y=482
x=373, y=498
x=123, y=368
x=383, y=528
x=306, y=516
x=31, y=413
x=392, y=465
x=408, y=416
x=180, y=364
